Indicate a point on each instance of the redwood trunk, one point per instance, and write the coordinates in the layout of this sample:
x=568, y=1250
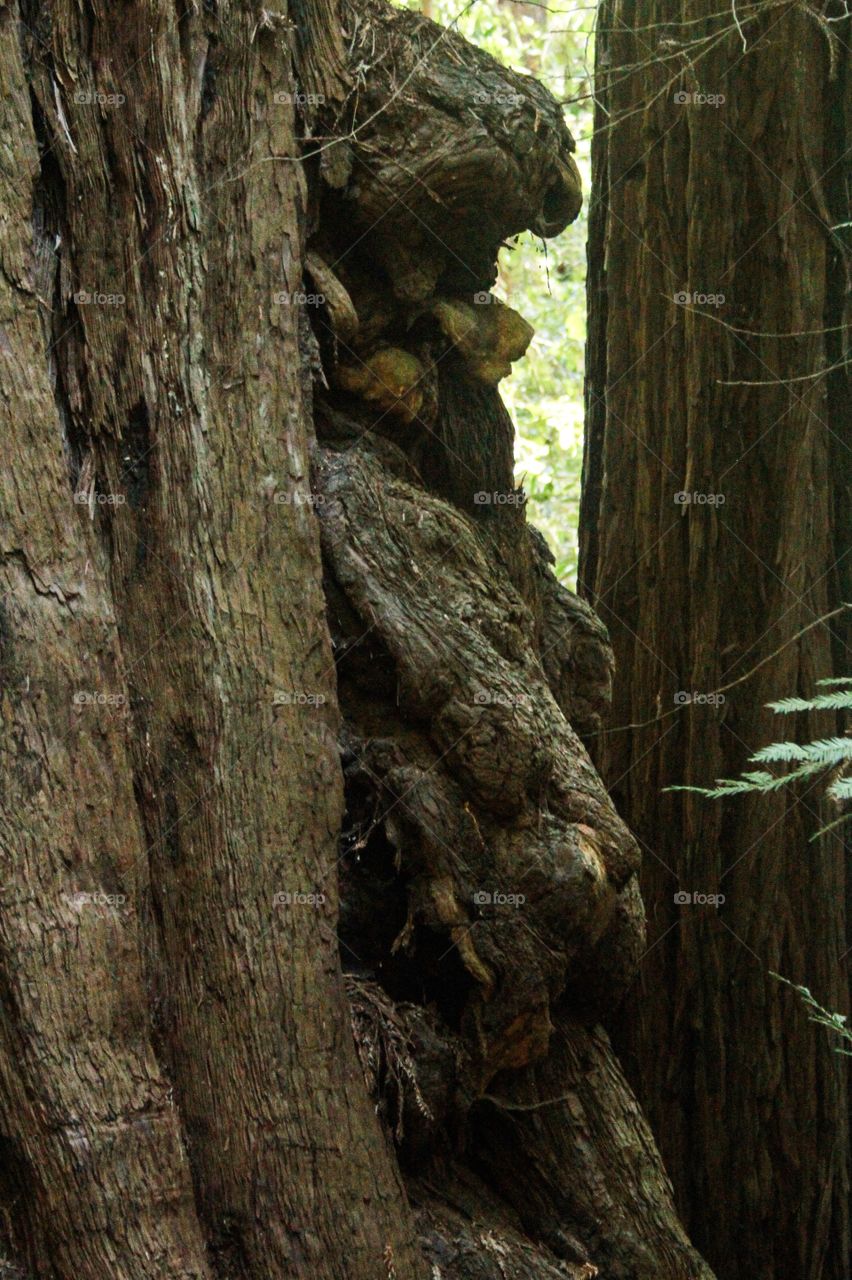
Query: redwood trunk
x=194, y=834
x=165, y=392
x=737, y=202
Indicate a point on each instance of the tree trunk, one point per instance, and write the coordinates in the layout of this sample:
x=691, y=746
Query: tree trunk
x=159, y=622
x=707, y=546
x=510, y=920
x=209, y=217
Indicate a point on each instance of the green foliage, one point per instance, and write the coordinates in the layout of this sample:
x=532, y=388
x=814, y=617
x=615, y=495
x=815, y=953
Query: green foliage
x=835, y=1022
x=544, y=282
x=807, y=760
x=822, y=702
x=833, y=750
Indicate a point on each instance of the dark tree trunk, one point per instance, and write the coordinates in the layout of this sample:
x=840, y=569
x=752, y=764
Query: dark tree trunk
x=737, y=198
x=189, y=1084
x=168, y=375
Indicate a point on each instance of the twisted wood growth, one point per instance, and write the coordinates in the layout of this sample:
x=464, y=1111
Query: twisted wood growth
x=428, y=117
x=490, y=792
x=488, y=887
x=185, y=1071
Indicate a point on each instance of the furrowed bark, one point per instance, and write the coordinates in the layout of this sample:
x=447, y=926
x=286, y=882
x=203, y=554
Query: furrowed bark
x=183, y=402
x=217, y=1099
x=93, y=1160
x=736, y=201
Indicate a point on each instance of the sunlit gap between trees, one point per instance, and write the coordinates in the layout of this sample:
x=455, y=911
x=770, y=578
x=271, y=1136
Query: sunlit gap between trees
x=545, y=282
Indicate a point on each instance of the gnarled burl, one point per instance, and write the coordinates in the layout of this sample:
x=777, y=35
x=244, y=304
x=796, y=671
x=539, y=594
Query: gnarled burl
x=489, y=899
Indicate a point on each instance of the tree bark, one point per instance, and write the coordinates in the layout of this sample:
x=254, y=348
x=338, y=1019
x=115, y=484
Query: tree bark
x=223, y=232
x=715, y=266
x=170, y=230
x=510, y=918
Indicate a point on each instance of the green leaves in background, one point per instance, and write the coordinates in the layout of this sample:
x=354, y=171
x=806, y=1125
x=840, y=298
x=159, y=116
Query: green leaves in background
x=545, y=282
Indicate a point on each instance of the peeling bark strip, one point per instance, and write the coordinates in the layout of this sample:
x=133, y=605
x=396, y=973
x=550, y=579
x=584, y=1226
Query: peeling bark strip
x=180, y=1091
x=93, y=1160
